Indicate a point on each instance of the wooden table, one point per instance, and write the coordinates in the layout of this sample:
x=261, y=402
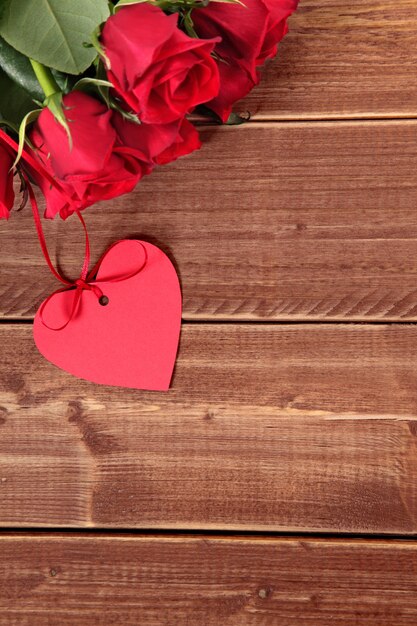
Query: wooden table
x=276, y=483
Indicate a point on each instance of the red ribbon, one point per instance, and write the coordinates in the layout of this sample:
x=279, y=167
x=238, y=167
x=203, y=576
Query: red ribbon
x=89, y=283
x=86, y=281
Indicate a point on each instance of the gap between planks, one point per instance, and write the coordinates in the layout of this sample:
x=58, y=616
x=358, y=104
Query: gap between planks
x=210, y=533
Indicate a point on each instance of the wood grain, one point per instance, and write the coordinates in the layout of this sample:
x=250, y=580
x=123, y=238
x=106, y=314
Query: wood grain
x=269, y=428
x=342, y=60
x=308, y=221
x=164, y=581
x=266, y=427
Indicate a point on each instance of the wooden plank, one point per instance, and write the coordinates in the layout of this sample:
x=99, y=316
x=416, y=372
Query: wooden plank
x=162, y=581
x=285, y=221
x=266, y=427
x=342, y=60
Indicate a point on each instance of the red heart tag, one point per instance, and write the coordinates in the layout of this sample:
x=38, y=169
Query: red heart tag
x=132, y=340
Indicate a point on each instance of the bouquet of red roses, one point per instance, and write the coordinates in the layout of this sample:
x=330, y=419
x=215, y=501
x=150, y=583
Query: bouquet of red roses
x=98, y=93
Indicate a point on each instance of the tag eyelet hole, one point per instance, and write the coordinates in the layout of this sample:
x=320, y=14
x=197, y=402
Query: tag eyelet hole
x=103, y=300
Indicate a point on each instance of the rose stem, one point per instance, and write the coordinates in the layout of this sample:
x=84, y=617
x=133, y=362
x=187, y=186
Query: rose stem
x=45, y=78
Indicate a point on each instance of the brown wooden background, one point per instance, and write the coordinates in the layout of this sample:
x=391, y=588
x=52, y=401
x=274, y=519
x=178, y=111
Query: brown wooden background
x=276, y=483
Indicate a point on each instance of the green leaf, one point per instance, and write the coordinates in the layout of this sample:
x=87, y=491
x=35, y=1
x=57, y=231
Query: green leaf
x=56, y=106
x=235, y=119
x=53, y=32
x=15, y=102
x=123, y=3
x=28, y=119
x=19, y=69
x=95, y=82
x=95, y=42
x=127, y=115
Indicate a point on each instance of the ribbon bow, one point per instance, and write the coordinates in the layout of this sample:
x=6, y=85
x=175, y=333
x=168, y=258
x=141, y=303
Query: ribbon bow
x=90, y=283
x=87, y=280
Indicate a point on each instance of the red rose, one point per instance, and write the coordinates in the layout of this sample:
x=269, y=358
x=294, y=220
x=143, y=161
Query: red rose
x=159, y=71
x=93, y=169
x=6, y=183
x=187, y=140
x=157, y=144
x=250, y=35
